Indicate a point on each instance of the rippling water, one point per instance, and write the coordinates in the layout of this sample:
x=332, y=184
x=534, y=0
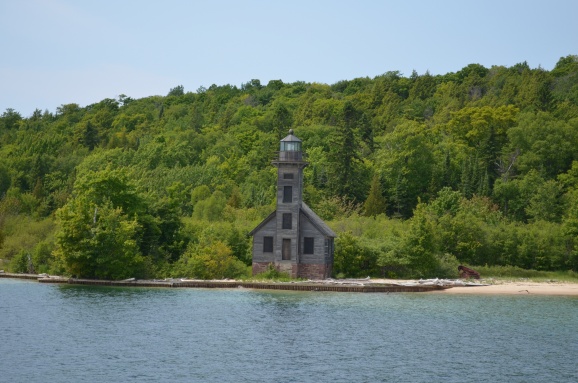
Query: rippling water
x=51, y=333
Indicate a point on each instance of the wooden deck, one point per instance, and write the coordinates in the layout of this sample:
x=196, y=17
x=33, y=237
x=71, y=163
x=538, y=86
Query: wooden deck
x=289, y=286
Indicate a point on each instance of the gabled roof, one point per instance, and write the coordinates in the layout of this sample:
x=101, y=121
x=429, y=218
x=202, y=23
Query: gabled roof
x=317, y=221
x=307, y=212
x=263, y=223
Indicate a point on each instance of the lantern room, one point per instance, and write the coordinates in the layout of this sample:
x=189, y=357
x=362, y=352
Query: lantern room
x=290, y=148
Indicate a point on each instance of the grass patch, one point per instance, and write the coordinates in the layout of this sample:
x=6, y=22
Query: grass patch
x=273, y=275
x=513, y=273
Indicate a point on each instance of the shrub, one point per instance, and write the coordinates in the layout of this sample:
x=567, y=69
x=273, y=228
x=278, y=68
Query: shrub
x=214, y=261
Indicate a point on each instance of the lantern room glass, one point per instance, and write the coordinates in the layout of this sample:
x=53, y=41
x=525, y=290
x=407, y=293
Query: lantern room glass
x=290, y=146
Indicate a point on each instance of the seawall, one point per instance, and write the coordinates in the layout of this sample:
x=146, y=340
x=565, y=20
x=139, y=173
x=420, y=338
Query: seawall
x=289, y=286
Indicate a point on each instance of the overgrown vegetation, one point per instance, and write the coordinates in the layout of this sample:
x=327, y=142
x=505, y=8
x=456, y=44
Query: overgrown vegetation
x=497, y=274
x=417, y=175
x=272, y=274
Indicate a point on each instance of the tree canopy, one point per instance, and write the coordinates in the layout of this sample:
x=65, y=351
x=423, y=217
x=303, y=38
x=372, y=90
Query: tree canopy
x=477, y=166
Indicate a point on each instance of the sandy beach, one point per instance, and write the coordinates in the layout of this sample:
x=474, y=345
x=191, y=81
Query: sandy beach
x=516, y=288
x=497, y=287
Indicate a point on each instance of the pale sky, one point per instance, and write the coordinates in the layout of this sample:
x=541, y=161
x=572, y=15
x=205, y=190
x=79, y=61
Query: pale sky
x=55, y=52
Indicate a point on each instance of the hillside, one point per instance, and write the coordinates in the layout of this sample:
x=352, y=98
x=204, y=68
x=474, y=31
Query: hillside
x=416, y=174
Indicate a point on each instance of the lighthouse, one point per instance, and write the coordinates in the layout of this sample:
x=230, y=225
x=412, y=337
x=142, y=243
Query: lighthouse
x=293, y=239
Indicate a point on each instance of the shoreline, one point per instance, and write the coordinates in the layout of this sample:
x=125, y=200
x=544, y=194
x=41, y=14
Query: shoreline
x=507, y=287
x=346, y=285
x=351, y=286
x=518, y=288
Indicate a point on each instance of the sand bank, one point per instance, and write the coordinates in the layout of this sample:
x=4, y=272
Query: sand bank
x=516, y=288
x=492, y=286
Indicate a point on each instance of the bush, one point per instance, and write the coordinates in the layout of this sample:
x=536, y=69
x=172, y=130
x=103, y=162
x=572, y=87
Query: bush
x=514, y=272
x=21, y=263
x=42, y=258
x=23, y=233
x=214, y=261
x=447, y=266
x=353, y=258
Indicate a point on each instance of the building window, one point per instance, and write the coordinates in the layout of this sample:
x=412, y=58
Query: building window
x=287, y=176
x=287, y=221
x=267, y=244
x=287, y=194
x=308, y=245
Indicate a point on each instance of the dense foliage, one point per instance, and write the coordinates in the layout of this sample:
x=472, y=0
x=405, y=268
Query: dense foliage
x=417, y=174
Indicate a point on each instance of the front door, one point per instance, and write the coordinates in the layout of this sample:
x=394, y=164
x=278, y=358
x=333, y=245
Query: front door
x=286, y=250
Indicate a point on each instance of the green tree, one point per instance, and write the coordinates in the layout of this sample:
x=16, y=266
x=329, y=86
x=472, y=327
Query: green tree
x=210, y=209
x=483, y=131
x=200, y=193
x=529, y=197
x=406, y=161
x=164, y=236
x=178, y=90
x=419, y=244
x=570, y=227
x=98, y=241
x=545, y=144
x=346, y=173
x=87, y=134
x=546, y=203
x=2, y=235
x=110, y=185
x=351, y=259
x=282, y=119
x=212, y=261
x=240, y=244
x=5, y=180
x=9, y=119
x=462, y=235
x=375, y=203
x=107, y=200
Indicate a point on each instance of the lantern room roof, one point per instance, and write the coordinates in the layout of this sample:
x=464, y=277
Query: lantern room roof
x=291, y=137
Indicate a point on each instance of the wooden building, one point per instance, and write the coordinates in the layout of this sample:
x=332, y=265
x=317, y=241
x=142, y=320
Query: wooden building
x=293, y=238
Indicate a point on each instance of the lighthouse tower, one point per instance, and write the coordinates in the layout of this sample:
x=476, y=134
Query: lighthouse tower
x=293, y=238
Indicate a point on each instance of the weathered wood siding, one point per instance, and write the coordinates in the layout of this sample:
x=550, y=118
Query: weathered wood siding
x=309, y=230
x=291, y=222
x=267, y=230
x=292, y=207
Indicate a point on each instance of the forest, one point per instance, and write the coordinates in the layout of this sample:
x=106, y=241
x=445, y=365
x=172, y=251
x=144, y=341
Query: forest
x=417, y=174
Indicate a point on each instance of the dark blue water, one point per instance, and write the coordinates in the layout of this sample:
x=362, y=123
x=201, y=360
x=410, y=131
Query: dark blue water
x=51, y=333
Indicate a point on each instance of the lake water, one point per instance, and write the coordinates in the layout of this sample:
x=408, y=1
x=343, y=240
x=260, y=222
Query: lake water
x=53, y=333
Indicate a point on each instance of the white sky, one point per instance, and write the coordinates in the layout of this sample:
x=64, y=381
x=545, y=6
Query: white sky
x=55, y=52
